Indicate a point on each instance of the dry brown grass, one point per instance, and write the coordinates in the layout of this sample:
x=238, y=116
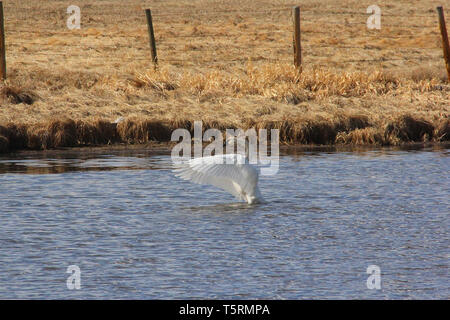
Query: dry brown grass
x=227, y=63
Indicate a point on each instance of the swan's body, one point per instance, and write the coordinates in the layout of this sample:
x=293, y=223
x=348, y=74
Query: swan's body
x=230, y=172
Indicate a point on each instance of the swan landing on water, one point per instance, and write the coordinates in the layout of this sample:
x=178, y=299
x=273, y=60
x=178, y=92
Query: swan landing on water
x=230, y=172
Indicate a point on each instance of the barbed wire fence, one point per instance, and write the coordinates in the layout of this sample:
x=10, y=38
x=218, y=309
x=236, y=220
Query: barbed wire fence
x=101, y=52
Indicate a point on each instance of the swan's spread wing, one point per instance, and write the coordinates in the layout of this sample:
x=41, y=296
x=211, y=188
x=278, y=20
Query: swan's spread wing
x=228, y=172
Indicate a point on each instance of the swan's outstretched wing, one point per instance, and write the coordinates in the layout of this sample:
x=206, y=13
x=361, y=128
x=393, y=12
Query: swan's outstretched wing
x=229, y=172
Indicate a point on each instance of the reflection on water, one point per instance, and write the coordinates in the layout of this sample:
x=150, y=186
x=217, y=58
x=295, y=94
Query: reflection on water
x=136, y=231
x=60, y=162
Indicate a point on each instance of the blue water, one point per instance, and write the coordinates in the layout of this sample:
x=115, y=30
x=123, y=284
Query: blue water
x=137, y=231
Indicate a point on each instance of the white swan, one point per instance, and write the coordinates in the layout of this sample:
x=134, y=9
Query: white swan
x=230, y=172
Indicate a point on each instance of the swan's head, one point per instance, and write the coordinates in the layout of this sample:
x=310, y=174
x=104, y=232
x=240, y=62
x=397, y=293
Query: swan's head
x=254, y=199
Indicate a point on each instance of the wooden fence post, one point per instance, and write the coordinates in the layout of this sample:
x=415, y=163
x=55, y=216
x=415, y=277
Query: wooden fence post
x=2, y=44
x=297, y=43
x=151, y=36
x=445, y=44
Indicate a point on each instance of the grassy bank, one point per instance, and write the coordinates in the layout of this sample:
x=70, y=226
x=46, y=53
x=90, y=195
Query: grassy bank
x=230, y=68
x=354, y=130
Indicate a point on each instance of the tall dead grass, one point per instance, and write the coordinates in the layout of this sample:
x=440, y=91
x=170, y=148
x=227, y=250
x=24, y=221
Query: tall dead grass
x=280, y=83
x=354, y=130
x=277, y=81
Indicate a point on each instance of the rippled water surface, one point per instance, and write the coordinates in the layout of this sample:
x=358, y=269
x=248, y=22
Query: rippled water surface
x=137, y=231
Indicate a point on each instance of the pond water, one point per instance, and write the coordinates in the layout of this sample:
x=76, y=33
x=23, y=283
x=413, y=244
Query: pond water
x=138, y=232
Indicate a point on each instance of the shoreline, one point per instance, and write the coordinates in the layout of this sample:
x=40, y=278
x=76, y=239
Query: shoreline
x=154, y=136
x=352, y=131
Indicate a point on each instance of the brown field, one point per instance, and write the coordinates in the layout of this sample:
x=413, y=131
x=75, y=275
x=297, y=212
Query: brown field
x=228, y=63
